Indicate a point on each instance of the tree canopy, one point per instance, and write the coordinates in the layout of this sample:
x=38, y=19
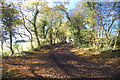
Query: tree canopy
x=89, y=24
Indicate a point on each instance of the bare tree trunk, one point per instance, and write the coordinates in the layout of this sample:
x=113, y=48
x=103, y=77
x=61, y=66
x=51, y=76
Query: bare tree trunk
x=54, y=41
x=11, y=48
x=35, y=27
x=31, y=38
x=36, y=34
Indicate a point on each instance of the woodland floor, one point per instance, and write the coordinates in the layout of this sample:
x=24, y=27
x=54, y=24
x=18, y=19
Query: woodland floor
x=60, y=62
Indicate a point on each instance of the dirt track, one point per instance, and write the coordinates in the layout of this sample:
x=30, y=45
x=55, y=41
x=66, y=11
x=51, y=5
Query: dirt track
x=77, y=67
x=57, y=63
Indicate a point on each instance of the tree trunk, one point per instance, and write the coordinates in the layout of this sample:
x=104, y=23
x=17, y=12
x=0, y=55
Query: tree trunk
x=31, y=38
x=44, y=32
x=2, y=46
x=54, y=41
x=51, y=37
x=2, y=41
x=36, y=34
x=35, y=27
x=115, y=43
x=11, y=48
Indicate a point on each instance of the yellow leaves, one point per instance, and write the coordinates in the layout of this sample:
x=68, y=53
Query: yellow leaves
x=89, y=19
x=64, y=29
x=31, y=3
x=36, y=3
x=84, y=51
x=46, y=8
x=68, y=33
x=92, y=12
x=80, y=16
x=27, y=5
x=72, y=62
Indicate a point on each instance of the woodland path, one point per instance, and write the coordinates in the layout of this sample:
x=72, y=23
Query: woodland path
x=59, y=62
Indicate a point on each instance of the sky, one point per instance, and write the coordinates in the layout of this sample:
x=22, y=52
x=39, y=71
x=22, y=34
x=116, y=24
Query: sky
x=51, y=2
x=68, y=0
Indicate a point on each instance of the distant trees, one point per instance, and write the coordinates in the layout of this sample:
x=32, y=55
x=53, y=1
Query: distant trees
x=76, y=23
x=54, y=23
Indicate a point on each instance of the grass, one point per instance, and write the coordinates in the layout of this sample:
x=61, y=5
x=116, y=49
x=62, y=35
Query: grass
x=17, y=47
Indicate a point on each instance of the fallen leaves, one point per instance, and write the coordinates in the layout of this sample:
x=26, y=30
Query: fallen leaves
x=84, y=51
x=83, y=63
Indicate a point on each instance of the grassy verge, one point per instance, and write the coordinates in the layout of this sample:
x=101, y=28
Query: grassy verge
x=17, y=47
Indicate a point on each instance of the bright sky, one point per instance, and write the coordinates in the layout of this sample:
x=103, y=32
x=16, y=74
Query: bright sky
x=70, y=6
x=51, y=2
x=68, y=0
